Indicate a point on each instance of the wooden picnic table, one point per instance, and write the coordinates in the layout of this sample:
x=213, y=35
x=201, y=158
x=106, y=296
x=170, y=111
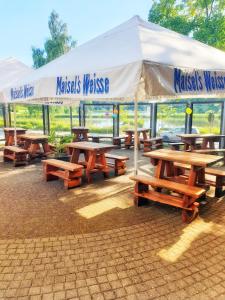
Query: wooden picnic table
x=80, y=134
x=36, y=144
x=129, y=138
x=164, y=161
x=9, y=135
x=208, y=140
x=94, y=154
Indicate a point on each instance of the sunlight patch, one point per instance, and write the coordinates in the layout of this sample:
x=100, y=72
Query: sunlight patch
x=102, y=206
x=191, y=232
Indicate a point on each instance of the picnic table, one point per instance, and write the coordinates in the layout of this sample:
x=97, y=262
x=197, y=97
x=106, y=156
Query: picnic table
x=129, y=138
x=164, y=161
x=9, y=135
x=80, y=134
x=94, y=154
x=208, y=140
x=36, y=144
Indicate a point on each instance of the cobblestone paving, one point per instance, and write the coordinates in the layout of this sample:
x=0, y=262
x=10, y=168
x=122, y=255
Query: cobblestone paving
x=156, y=258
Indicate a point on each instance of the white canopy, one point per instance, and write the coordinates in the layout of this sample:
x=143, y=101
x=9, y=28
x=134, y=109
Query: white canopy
x=137, y=59
x=11, y=71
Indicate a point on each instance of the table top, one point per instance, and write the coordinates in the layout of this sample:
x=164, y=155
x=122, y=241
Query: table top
x=199, y=135
x=90, y=146
x=138, y=130
x=80, y=129
x=11, y=129
x=191, y=158
x=33, y=137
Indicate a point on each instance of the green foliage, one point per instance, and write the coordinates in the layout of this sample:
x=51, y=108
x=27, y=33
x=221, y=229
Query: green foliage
x=59, y=42
x=202, y=19
x=59, y=141
x=169, y=14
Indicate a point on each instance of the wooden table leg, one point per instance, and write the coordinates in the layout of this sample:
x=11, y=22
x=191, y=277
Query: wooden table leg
x=169, y=168
x=75, y=156
x=128, y=140
x=212, y=144
x=204, y=143
x=85, y=136
x=196, y=174
x=103, y=162
x=145, y=137
x=192, y=176
x=160, y=169
x=90, y=165
x=46, y=147
x=201, y=176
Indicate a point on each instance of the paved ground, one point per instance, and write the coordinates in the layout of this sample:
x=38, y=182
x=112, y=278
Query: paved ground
x=92, y=243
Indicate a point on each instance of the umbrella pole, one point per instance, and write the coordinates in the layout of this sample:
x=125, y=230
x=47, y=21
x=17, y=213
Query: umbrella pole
x=14, y=115
x=135, y=136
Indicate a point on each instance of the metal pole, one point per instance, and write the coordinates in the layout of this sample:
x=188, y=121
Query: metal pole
x=154, y=120
x=14, y=115
x=43, y=119
x=222, y=128
x=4, y=115
x=135, y=136
x=118, y=120
x=71, y=118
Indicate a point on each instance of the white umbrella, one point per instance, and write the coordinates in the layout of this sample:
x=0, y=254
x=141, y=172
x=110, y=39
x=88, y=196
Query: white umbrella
x=11, y=70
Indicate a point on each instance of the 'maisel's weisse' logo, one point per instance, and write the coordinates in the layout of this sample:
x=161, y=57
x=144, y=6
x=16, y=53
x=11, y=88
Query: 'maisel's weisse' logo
x=25, y=91
x=198, y=81
x=87, y=85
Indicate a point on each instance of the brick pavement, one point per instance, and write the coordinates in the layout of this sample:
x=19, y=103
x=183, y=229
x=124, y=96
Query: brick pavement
x=156, y=258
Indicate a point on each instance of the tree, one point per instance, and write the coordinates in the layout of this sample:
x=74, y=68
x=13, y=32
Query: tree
x=202, y=19
x=170, y=14
x=59, y=42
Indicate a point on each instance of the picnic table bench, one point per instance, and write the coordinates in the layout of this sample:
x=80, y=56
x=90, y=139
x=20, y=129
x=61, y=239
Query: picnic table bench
x=94, y=155
x=80, y=134
x=9, y=135
x=118, y=140
x=208, y=140
x=36, y=144
x=153, y=144
x=15, y=154
x=118, y=164
x=218, y=172
x=71, y=173
x=185, y=197
x=129, y=139
x=97, y=138
x=212, y=151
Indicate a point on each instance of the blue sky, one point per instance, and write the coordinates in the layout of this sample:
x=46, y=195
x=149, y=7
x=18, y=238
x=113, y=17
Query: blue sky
x=24, y=23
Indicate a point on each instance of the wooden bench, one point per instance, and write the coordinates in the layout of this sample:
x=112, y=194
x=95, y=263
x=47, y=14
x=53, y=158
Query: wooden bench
x=185, y=199
x=71, y=173
x=18, y=155
x=218, y=172
x=176, y=146
x=96, y=138
x=153, y=144
x=211, y=151
x=117, y=140
x=118, y=164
